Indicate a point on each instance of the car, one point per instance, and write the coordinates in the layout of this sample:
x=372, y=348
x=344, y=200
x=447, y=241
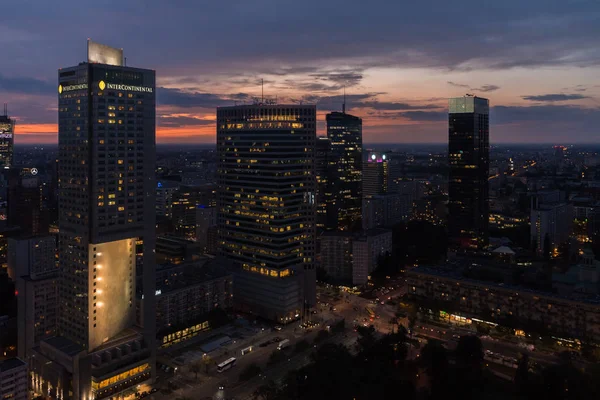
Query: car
x=278, y=328
x=221, y=387
x=153, y=390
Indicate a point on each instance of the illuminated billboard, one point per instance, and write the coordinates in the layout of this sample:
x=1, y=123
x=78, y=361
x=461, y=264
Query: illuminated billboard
x=103, y=54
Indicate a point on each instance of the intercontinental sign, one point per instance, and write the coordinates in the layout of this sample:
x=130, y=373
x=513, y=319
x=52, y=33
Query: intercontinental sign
x=114, y=86
x=104, y=85
x=80, y=86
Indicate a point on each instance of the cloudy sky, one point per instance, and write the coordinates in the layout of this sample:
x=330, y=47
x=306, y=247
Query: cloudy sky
x=538, y=61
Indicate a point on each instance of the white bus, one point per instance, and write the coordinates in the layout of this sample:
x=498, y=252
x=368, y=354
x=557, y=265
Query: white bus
x=247, y=350
x=283, y=344
x=225, y=365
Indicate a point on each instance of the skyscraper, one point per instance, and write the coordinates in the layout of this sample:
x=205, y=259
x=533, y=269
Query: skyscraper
x=345, y=161
x=25, y=205
x=322, y=177
x=376, y=174
x=7, y=139
x=266, y=210
x=107, y=193
x=468, y=156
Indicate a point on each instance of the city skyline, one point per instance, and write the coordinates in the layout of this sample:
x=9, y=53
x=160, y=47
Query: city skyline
x=536, y=64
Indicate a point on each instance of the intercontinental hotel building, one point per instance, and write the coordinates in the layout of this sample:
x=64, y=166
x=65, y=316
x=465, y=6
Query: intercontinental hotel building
x=105, y=345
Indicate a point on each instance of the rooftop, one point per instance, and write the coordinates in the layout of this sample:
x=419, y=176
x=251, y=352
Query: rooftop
x=451, y=273
x=11, y=363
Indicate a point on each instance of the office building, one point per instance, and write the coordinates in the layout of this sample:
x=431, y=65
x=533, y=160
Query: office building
x=468, y=157
x=344, y=132
x=7, y=139
x=266, y=206
x=336, y=255
x=551, y=226
x=33, y=262
x=206, y=218
x=25, y=202
x=107, y=193
x=376, y=174
x=351, y=257
x=185, y=203
x=186, y=295
x=386, y=210
x=366, y=252
x=13, y=379
x=323, y=189
x=164, y=197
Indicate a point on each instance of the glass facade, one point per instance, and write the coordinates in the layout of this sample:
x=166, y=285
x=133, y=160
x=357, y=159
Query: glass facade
x=468, y=157
x=344, y=210
x=266, y=196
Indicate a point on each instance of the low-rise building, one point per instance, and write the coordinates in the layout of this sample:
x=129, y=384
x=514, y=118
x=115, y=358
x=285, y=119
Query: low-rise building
x=185, y=295
x=445, y=292
x=350, y=258
x=13, y=379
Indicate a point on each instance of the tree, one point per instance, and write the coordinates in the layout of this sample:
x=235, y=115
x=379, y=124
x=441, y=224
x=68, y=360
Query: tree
x=434, y=360
x=195, y=368
x=250, y=372
x=301, y=346
x=469, y=362
x=321, y=336
x=207, y=360
x=522, y=375
x=366, y=338
x=268, y=391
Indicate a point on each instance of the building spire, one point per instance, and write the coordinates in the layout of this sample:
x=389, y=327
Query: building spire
x=344, y=103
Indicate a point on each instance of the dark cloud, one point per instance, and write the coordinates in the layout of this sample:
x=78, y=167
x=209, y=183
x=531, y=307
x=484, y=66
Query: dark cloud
x=486, y=88
x=458, y=85
x=26, y=85
x=426, y=116
x=422, y=116
x=578, y=116
x=183, y=121
x=342, y=78
x=483, y=88
x=182, y=98
x=392, y=106
x=555, y=97
x=334, y=103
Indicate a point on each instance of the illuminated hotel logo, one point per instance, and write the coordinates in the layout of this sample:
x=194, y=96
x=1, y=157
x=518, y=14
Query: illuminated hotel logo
x=103, y=85
x=69, y=88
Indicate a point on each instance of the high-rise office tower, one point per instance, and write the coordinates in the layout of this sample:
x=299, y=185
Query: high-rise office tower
x=322, y=177
x=376, y=174
x=266, y=210
x=25, y=206
x=7, y=139
x=32, y=261
x=468, y=156
x=107, y=191
x=344, y=132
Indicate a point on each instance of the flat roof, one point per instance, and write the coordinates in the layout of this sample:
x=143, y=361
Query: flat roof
x=11, y=363
x=452, y=274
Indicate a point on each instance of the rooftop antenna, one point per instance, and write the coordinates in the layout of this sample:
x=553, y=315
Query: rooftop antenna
x=6, y=109
x=344, y=103
x=262, y=90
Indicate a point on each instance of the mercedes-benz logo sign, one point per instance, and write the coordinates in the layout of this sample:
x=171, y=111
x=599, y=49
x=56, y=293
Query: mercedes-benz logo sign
x=34, y=171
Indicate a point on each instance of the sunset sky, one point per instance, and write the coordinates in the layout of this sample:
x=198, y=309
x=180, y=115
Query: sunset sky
x=538, y=61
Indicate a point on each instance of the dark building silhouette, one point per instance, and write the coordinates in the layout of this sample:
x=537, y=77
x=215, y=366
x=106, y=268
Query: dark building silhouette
x=25, y=205
x=322, y=175
x=7, y=139
x=468, y=156
x=344, y=132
